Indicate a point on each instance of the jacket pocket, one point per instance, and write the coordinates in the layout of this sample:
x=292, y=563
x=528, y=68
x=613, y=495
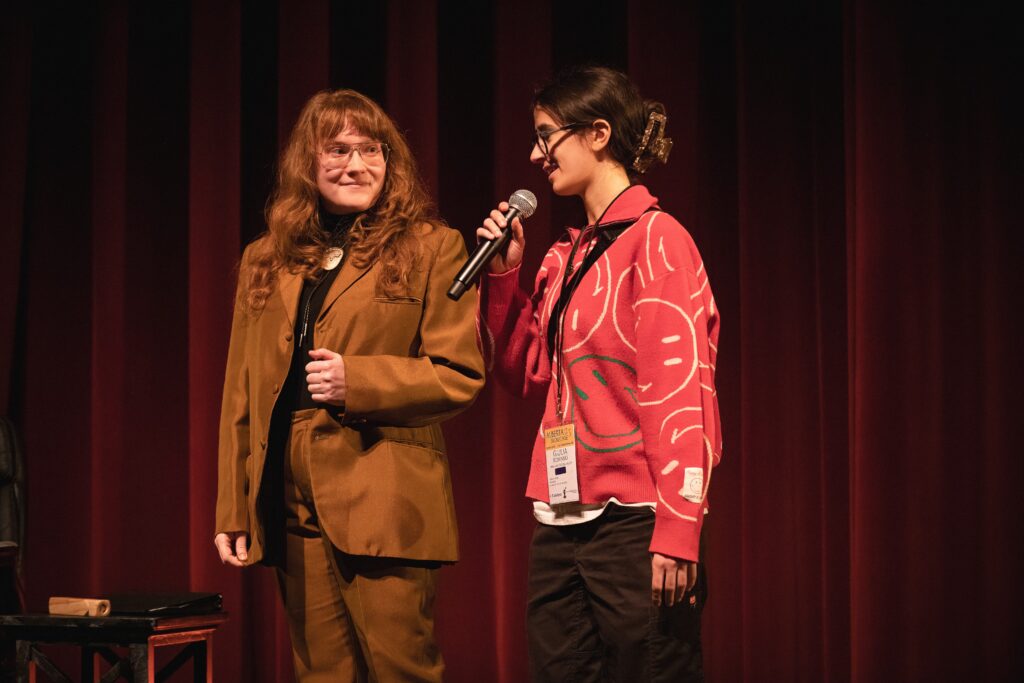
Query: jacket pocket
x=409, y=300
x=393, y=500
x=427, y=436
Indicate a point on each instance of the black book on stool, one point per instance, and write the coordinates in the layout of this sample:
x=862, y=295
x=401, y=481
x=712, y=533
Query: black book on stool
x=164, y=604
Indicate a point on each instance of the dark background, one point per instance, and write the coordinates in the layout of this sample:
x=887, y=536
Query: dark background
x=850, y=171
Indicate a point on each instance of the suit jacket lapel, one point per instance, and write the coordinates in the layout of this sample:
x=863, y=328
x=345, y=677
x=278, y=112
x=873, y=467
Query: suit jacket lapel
x=346, y=278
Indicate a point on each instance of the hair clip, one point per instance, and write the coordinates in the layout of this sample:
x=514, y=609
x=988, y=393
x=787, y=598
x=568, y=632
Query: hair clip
x=660, y=146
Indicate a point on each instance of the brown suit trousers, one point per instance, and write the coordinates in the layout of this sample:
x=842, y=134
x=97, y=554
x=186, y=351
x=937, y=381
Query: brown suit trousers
x=352, y=618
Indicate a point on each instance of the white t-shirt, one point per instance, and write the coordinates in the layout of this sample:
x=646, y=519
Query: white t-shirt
x=576, y=513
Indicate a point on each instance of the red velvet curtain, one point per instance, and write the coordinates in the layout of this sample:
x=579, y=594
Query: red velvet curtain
x=848, y=169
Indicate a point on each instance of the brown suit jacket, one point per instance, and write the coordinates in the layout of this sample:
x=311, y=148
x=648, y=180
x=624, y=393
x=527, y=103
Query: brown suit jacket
x=379, y=470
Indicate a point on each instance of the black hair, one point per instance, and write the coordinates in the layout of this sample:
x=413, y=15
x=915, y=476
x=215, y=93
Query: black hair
x=585, y=93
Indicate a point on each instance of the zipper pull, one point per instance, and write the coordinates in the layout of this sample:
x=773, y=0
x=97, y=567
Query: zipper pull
x=302, y=337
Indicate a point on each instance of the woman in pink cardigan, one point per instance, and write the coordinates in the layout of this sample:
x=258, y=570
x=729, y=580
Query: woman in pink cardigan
x=619, y=331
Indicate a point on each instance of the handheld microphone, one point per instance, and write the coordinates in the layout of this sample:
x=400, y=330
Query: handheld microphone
x=522, y=203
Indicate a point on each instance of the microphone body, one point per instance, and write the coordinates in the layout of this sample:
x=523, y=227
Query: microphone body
x=521, y=204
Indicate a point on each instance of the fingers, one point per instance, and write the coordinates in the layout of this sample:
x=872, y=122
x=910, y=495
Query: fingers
x=517, y=230
x=671, y=592
x=227, y=551
x=691, y=576
x=320, y=377
x=657, y=581
x=671, y=579
x=321, y=392
x=492, y=226
x=223, y=545
x=494, y=223
x=325, y=378
x=324, y=359
x=242, y=547
x=323, y=354
x=498, y=218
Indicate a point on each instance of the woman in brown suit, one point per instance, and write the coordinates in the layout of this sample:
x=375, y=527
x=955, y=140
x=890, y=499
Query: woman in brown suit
x=345, y=356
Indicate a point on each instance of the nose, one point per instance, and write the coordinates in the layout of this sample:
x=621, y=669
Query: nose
x=537, y=156
x=355, y=162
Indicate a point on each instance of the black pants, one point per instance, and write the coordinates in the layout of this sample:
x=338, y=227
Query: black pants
x=589, y=612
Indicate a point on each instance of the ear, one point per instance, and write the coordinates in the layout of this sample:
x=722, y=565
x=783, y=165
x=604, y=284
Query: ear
x=600, y=135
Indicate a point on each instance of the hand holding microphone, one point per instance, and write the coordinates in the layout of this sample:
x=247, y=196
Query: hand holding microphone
x=495, y=233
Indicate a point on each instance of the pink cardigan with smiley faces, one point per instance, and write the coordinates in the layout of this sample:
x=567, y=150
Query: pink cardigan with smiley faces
x=639, y=352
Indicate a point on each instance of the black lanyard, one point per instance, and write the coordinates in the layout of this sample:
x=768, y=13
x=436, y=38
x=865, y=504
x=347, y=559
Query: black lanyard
x=571, y=279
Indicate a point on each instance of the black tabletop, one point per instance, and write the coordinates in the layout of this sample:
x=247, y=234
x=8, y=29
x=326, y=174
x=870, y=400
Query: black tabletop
x=112, y=629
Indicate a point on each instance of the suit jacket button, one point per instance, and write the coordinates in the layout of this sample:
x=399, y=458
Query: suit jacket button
x=277, y=388
x=263, y=444
x=288, y=337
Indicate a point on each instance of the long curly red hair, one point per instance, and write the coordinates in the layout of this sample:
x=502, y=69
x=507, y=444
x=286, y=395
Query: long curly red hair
x=296, y=241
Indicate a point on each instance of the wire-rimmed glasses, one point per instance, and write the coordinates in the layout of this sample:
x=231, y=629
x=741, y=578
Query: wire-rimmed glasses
x=338, y=154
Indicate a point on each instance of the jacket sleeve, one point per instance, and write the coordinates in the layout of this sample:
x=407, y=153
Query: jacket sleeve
x=233, y=448
x=445, y=376
x=676, y=338
x=510, y=329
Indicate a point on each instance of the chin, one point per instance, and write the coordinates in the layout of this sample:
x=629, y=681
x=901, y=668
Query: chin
x=560, y=185
x=561, y=190
x=348, y=206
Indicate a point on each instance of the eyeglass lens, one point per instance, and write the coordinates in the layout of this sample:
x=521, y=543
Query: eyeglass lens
x=541, y=137
x=337, y=155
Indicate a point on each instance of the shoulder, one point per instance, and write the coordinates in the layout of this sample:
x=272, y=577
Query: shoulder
x=438, y=237
x=257, y=250
x=432, y=233
x=660, y=223
x=660, y=229
x=660, y=244
x=438, y=245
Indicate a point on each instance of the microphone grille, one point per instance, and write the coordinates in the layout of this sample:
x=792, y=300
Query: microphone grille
x=524, y=202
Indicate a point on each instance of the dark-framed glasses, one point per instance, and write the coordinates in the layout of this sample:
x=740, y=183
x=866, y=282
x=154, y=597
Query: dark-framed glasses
x=541, y=137
x=338, y=154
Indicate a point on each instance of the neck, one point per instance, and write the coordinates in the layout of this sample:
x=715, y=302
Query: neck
x=609, y=182
x=336, y=226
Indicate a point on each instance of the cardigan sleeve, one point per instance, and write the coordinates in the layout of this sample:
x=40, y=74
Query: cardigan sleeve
x=514, y=345
x=676, y=339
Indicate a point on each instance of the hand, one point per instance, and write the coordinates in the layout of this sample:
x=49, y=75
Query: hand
x=233, y=547
x=671, y=578
x=491, y=229
x=325, y=377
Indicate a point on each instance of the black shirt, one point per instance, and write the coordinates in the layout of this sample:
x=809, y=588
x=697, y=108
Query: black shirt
x=295, y=394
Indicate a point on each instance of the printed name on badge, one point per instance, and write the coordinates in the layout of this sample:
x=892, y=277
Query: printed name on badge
x=560, y=453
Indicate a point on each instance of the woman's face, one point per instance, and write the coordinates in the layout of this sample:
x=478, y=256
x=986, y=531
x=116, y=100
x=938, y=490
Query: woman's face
x=352, y=185
x=569, y=164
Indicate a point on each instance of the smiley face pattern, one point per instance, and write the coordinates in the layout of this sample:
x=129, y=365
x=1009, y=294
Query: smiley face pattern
x=639, y=350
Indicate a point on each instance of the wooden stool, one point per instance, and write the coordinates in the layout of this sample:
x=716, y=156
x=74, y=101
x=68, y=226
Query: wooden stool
x=96, y=635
